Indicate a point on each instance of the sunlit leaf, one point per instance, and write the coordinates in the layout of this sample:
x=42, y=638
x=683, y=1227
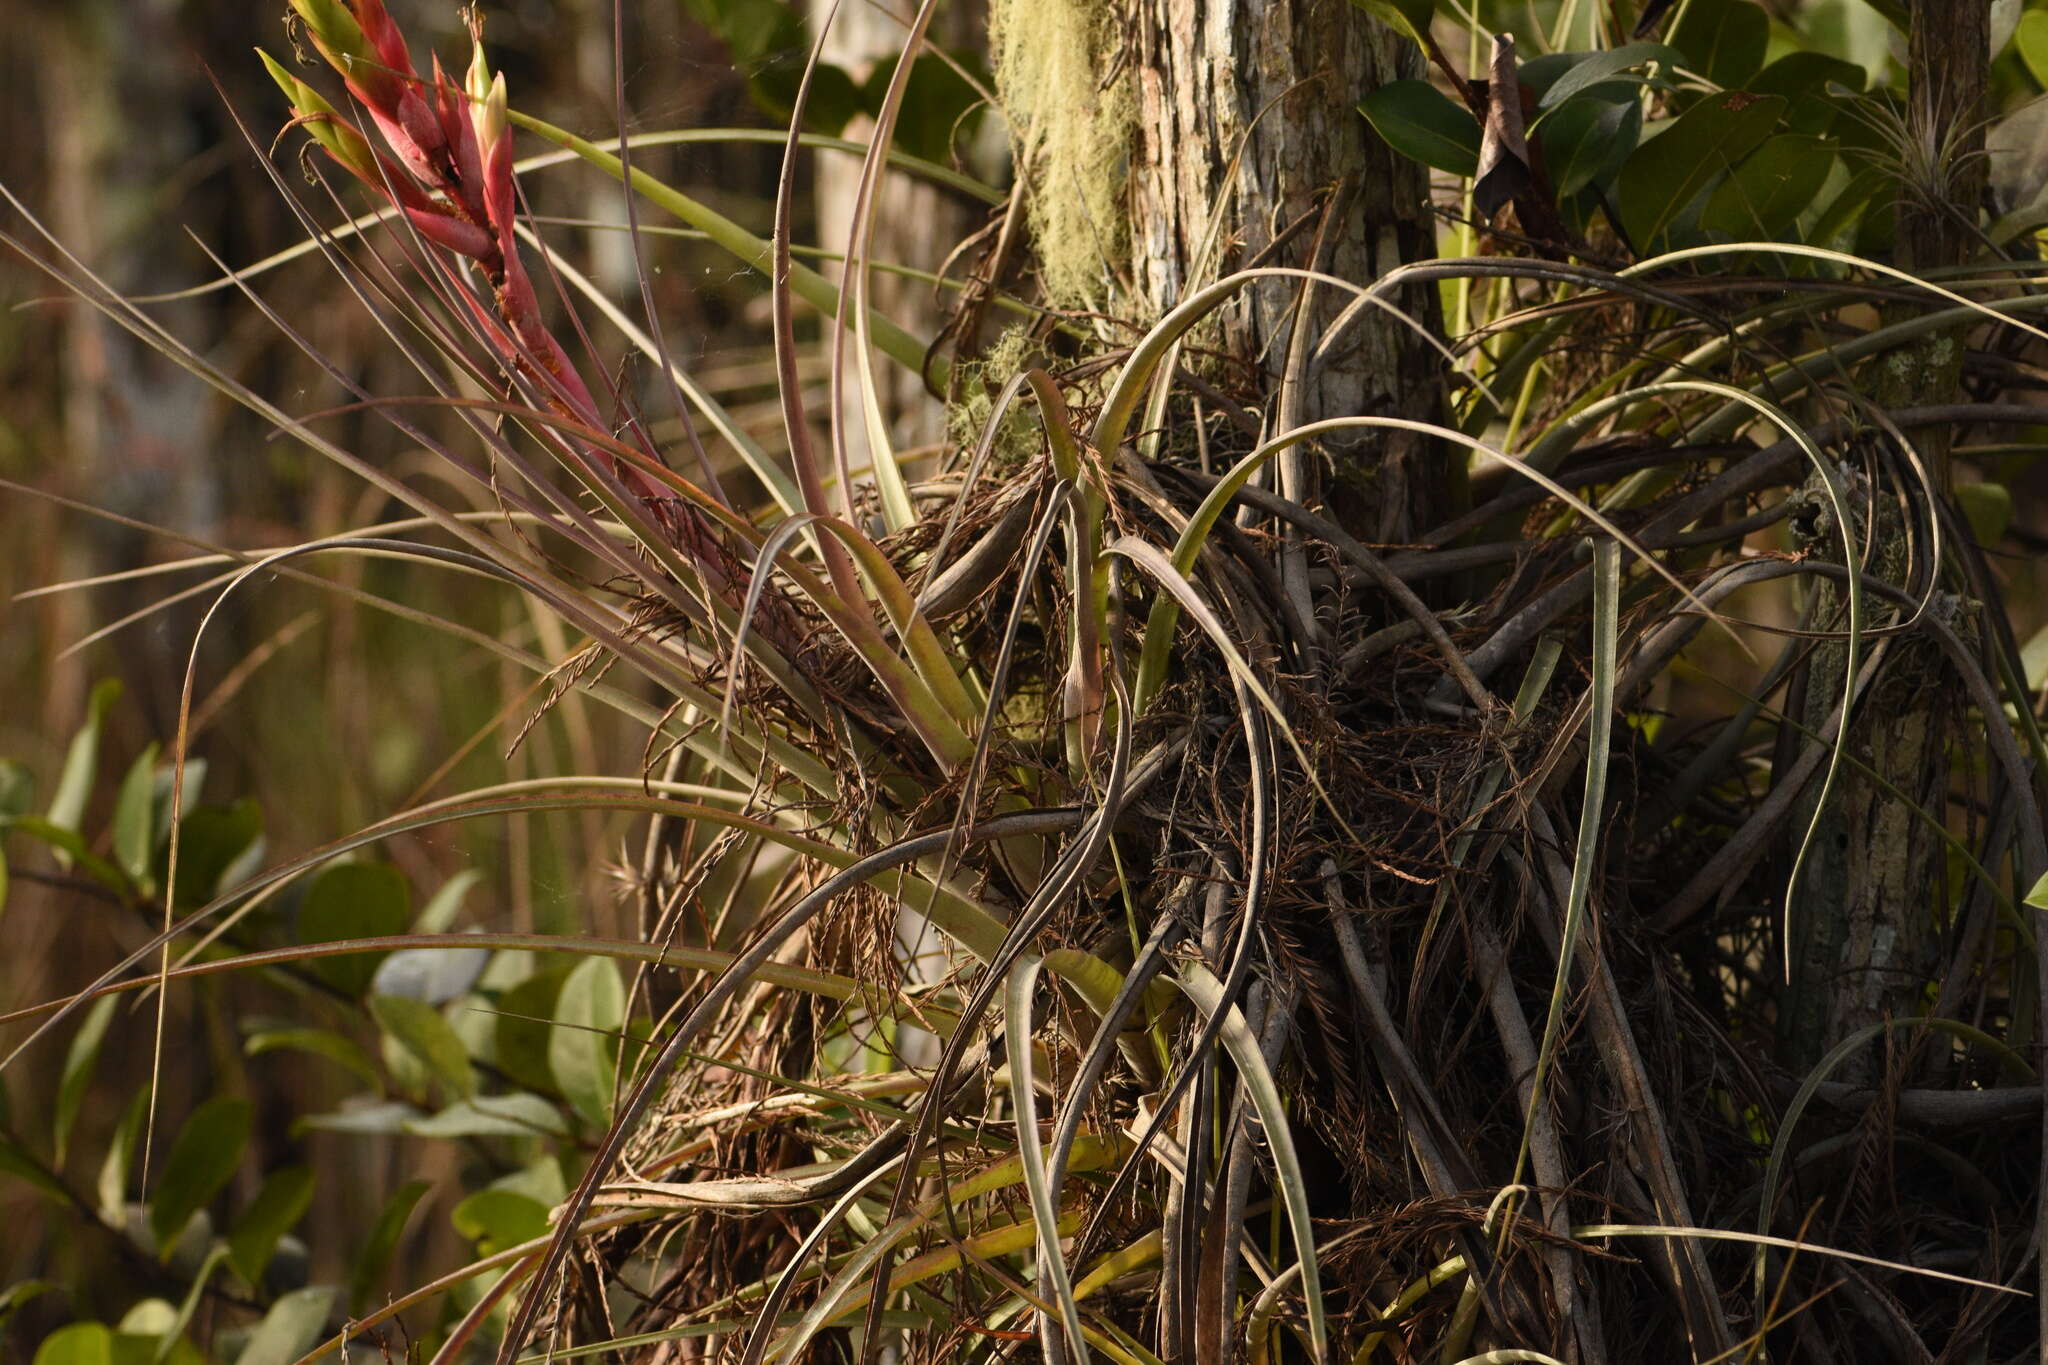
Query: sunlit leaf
x=1424, y=124
x=516, y=1115
x=421, y=1029
x=81, y=760
x=135, y=818
x=583, y=1048
x=290, y=1328
x=495, y=1219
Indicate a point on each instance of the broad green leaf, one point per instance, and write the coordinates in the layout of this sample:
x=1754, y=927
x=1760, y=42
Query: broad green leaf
x=1587, y=140
x=17, y=789
x=2038, y=897
x=363, y=1114
x=1723, y=40
x=525, y=1034
x=342, y=1051
x=1805, y=79
x=1424, y=124
x=437, y=916
x=276, y=1210
x=16, y=1161
x=518, y=1115
x=1767, y=192
x=2031, y=37
x=353, y=900
x=433, y=976
x=1665, y=174
x=1407, y=17
x=1988, y=508
x=82, y=1343
x=290, y=1328
x=81, y=760
x=207, y=1150
x=135, y=818
x=583, y=1048
x=79, y=1062
x=113, y=1181
x=1596, y=67
x=497, y=1219
x=211, y=841
x=424, y=1033
x=939, y=106
x=377, y=1252
x=752, y=30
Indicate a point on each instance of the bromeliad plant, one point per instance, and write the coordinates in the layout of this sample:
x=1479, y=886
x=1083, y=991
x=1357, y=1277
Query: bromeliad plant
x=1320, y=968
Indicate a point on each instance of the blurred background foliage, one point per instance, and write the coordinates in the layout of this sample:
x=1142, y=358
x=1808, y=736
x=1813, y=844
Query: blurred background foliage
x=316, y=716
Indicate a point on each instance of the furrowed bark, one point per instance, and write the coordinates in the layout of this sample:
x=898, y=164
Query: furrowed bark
x=1247, y=109
x=1866, y=917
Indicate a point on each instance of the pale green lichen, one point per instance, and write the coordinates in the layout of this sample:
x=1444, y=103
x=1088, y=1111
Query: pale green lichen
x=1070, y=122
x=980, y=380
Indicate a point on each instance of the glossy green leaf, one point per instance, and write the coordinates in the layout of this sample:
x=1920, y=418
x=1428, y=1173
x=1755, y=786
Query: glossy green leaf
x=518, y=1115
x=1596, y=67
x=1766, y=193
x=81, y=760
x=79, y=1063
x=1424, y=124
x=437, y=916
x=365, y=1114
x=1723, y=40
x=524, y=1030
x=354, y=900
x=1407, y=17
x=375, y=1260
x=1587, y=140
x=423, y=1032
x=81, y=1343
x=1664, y=175
x=583, y=1048
x=496, y=1219
x=344, y=1052
x=286, y=1195
x=202, y=1159
x=939, y=106
x=2031, y=38
x=135, y=818
x=1988, y=507
x=290, y=1328
x=1807, y=79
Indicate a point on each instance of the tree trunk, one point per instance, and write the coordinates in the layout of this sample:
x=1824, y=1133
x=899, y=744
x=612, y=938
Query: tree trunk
x=1248, y=109
x=1865, y=928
